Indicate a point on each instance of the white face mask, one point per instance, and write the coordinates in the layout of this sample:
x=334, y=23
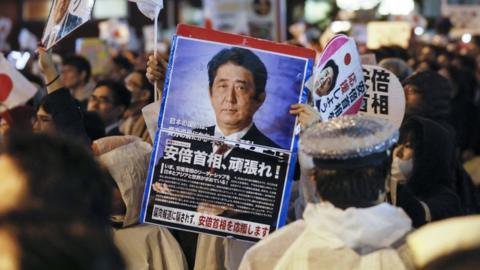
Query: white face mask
x=401, y=169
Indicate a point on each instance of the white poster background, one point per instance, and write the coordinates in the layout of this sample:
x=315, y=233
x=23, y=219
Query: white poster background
x=383, y=99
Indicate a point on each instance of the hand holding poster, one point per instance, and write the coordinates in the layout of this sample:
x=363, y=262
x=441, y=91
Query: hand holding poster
x=384, y=97
x=65, y=16
x=225, y=149
x=338, y=80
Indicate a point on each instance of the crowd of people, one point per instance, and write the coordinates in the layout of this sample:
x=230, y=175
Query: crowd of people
x=74, y=161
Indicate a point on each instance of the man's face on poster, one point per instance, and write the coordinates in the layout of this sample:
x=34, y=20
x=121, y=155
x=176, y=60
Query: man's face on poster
x=233, y=98
x=60, y=10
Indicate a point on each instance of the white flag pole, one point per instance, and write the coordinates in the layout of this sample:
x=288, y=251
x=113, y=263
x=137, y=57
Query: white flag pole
x=155, y=46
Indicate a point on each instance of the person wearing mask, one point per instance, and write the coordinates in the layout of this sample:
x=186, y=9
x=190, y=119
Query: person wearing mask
x=423, y=172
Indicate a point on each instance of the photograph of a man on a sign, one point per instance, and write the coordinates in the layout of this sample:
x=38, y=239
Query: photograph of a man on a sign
x=65, y=16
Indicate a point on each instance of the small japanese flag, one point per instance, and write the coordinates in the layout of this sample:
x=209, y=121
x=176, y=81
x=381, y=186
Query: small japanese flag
x=149, y=8
x=15, y=89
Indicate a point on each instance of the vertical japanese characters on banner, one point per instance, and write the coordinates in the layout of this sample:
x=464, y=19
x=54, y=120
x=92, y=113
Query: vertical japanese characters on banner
x=384, y=96
x=338, y=84
x=225, y=150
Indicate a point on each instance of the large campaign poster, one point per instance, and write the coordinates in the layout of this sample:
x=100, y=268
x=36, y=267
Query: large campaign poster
x=65, y=16
x=225, y=150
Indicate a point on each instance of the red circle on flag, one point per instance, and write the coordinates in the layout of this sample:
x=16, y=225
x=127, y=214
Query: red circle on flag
x=347, y=59
x=6, y=86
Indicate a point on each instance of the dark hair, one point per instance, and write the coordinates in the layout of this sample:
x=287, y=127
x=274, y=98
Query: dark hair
x=123, y=63
x=331, y=63
x=80, y=63
x=120, y=94
x=94, y=125
x=435, y=91
x=244, y=58
x=434, y=153
x=70, y=124
x=45, y=242
x=63, y=177
x=146, y=85
x=357, y=187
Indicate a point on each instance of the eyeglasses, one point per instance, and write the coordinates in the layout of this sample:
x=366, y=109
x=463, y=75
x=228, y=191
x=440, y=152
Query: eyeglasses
x=100, y=100
x=42, y=119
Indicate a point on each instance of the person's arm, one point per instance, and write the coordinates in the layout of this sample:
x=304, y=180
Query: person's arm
x=307, y=114
x=443, y=203
x=156, y=71
x=50, y=73
x=65, y=111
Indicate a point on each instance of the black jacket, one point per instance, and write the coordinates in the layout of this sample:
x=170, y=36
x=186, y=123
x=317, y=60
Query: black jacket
x=433, y=179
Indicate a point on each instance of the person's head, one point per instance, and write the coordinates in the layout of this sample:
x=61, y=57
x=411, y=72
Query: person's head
x=419, y=141
x=328, y=78
x=60, y=9
x=54, y=175
x=262, y=7
x=139, y=87
x=44, y=121
x=351, y=157
x=121, y=68
x=76, y=71
x=427, y=94
x=109, y=100
x=237, y=79
x=397, y=66
x=48, y=243
x=20, y=118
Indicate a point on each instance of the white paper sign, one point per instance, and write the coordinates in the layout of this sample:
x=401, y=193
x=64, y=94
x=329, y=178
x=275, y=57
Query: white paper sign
x=338, y=79
x=384, y=97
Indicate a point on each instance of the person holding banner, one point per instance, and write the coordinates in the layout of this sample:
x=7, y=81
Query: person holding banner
x=58, y=111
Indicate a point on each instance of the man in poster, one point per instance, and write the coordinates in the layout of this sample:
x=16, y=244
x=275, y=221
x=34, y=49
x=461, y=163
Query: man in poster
x=62, y=21
x=237, y=79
